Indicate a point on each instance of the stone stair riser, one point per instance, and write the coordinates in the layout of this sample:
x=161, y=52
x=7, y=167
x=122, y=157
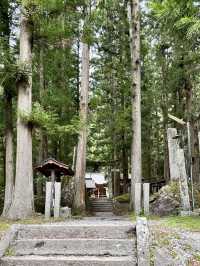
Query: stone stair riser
x=50, y=261
x=64, y=232
x=89, y=247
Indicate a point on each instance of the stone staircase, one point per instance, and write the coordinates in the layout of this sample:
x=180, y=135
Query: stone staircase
x=78, y=243
x=101, y=205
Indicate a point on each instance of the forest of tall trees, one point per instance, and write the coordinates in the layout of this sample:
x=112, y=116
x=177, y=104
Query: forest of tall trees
x=95, y=78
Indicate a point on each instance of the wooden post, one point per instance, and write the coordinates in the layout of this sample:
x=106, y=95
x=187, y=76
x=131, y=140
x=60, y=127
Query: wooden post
x=48, y=200
x=137, y=201
x=146, y=191
x=52, y=188
x=57, y=199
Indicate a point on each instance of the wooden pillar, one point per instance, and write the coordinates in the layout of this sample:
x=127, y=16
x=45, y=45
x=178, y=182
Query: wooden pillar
x=53, y=176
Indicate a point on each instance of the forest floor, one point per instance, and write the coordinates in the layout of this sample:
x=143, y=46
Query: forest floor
x=175, y=240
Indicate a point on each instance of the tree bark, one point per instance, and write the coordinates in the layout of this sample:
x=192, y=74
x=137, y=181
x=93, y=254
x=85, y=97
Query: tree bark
x=124, y=164
x=79, y=199
x=9, y=162
x=22, y=205
x=43, y=146
x=136, y=165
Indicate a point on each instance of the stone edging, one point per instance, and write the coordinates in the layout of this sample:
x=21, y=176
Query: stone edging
x=8, y=238
x=142, y=236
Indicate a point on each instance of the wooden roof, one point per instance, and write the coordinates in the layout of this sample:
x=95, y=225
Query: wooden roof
x=50, y=164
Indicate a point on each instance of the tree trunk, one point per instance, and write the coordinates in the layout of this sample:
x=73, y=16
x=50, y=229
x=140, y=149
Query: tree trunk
x=164, y=108
x=43, y=146
x=136, y=168
x=124, y=164
x=79, y=200
x=8, y=159
x=9, y=163
x=22, y=205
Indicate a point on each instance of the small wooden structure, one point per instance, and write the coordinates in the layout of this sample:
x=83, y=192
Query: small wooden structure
x=53, y=169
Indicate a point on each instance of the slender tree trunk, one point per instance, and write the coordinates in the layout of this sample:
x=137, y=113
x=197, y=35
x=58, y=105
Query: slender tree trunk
x=164, y=107
x=22, y=205
x=124, y=164
x=9, y=163
x=79, y=200
x=43, y=146
x=195, y=151
x=136, y=167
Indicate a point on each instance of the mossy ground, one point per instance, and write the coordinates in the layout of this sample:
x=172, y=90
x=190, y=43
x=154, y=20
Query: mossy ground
x=124, y=198
x=191, y=223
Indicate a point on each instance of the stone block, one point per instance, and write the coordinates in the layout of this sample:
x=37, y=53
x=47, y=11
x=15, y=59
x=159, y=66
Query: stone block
x=143, y=248
x=65, y=212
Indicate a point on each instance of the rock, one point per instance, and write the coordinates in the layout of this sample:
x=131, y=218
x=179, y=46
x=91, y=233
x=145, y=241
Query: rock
x=189, y=213
x=166, y=201
x=120, y=208
x=65, y=212
x=162, y=257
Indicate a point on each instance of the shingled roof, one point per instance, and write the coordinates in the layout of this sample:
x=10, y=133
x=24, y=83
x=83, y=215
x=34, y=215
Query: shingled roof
x=50, y=164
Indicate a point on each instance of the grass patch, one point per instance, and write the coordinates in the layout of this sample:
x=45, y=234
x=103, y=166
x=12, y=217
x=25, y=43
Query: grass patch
x=197, y=257
x=10, y=252
x=190, y=223
x=5, y=224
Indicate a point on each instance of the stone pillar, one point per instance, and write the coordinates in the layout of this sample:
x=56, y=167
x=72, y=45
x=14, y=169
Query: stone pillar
x=146, y=191
x=137, y=200
x=57, y=199
x=185, y=201
x=48, y=200
x=142, y=235
x=173, y=149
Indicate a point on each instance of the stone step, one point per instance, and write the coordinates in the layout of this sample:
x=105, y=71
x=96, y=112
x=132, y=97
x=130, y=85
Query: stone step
x=101, y=210
x=52, y=231
x=103, y=198
x=86, y=247
x=101, y=206
x=67, y=261
x=101, y=201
